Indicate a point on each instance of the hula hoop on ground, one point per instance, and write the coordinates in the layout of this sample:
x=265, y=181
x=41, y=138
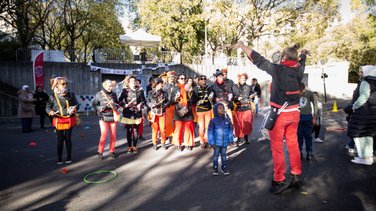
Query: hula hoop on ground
x=114, y=174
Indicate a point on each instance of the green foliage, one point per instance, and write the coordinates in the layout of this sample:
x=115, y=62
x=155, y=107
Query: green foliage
x=356, y=42
x=78, y=25
x=179, y=23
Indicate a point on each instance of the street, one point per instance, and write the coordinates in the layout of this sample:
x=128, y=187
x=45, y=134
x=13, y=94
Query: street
x=172, y=180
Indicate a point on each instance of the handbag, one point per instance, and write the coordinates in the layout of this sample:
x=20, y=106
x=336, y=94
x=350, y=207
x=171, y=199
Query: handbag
x=61, y=123
x=77, y=120
x=270, y=119
x=116, y=115
x=182, y=111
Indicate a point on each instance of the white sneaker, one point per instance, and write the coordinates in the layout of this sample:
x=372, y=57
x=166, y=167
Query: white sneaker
x=318, y=140
x=364, y=161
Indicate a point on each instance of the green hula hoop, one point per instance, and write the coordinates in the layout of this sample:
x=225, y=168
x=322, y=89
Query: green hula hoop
x=114, y=174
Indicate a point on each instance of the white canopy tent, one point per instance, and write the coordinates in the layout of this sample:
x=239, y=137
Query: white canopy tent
x=140, y=38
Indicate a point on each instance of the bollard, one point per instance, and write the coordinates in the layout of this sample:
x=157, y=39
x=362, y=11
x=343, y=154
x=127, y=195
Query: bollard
x=335, y=109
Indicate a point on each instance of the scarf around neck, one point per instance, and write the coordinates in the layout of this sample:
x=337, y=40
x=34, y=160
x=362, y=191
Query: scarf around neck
x=183, y=94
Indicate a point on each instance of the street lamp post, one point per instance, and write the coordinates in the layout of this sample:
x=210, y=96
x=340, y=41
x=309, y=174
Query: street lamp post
x=323, y=76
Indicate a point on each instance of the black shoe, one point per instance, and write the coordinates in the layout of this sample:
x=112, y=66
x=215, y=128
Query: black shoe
x=311, y=157
x=60, y=161
x=68, y=160
x=246, y=139
x=155, y=147
x=225, y=170
x=113, y=155
x=141, y=138
x=203, y=146
x=295, y=181
x=190, y=148
x=215, y=171
x=164, y=146
x=278, y=187
x=100, y=156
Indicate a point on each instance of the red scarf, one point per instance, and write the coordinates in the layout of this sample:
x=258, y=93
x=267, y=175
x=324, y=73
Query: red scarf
x=290, y=63
x=219, y=83
x=183, y=94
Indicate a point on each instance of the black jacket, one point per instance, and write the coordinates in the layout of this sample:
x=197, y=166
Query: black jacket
x=41, y=102
x=244, y=91
x=222, y=93
x=362, y=121
x=68, y=100
x=202, y=101
x=157, y=101
x=285, y=79
x=132, y=98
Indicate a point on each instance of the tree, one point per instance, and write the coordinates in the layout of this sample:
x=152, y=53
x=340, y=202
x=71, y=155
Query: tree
x=178, y=22
x=26, y=16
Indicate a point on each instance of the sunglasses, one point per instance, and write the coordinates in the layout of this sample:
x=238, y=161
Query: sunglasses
x=202, y=78
x=182, y=78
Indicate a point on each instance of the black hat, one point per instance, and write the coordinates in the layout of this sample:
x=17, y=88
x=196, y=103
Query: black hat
x=218, y=73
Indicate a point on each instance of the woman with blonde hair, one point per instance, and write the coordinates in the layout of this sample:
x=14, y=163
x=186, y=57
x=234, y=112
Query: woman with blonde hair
x=62, y=106
x=106, y=105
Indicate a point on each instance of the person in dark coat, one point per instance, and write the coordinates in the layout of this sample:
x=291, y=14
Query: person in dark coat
x=362, y=122
x=132, y=98
x=41, y=98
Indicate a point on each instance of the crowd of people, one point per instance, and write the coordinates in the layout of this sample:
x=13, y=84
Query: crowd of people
x=223, y=109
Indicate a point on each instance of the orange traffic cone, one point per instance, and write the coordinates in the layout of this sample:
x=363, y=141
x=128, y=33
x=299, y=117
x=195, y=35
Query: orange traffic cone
x=335, y=109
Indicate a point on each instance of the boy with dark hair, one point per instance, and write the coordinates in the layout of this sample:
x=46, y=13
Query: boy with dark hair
x=220, y=134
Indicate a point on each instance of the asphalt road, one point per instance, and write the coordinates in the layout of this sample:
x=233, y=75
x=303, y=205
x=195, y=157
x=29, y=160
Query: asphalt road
x=172, y=180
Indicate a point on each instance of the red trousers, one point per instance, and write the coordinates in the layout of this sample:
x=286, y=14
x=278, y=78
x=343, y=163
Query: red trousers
x=141, y=127
x=285, y=126
x=105, y=127
x=159, y=125
x=170, y=119
x=203, y=119
x=243, y=123
x=186, y=128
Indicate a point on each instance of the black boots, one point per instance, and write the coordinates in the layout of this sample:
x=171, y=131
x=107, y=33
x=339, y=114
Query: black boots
x=295, y=181
x=278, y=187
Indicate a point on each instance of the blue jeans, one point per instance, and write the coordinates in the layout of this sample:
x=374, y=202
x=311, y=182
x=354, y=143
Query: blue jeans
x=220, y=151
x=305, y=132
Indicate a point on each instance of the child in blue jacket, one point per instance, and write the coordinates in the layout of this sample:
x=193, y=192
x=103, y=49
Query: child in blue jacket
x=220, y=133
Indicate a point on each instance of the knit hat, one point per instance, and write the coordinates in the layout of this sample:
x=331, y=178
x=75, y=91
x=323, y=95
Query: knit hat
x=369, y=70
x=24, y=87
x=218, y=73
